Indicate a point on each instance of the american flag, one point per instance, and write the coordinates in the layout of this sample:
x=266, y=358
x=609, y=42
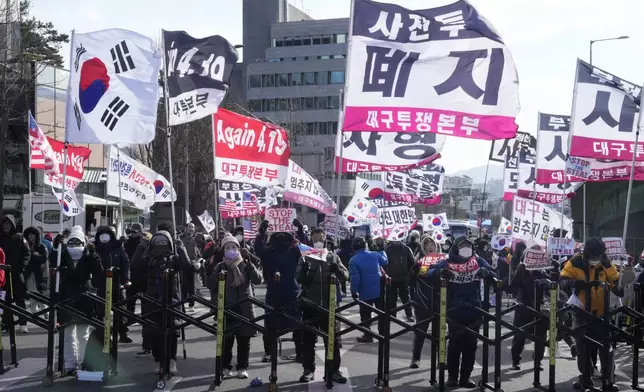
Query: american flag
x=251, y=227
x=229, y=205
x=249, y=201
x=42, y=155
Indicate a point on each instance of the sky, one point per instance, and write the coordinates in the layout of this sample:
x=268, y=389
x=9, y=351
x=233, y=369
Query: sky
x=545, y=38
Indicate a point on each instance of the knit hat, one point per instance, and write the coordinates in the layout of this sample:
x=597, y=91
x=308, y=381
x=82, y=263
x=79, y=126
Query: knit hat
x=136, y=227
x=594, y=247
x=228, y=238
x=77, y=232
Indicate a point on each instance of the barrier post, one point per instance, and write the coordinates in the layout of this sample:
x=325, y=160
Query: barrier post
x=165, y=360
x=608, y=365
x=107, y=323
x=498, y=320
x=275, y=333
x=442, y=347
x=116, y=282
x=51, y=329
x=552, y=336
x=221, y=295
x=330, y=341
x=12, y=323
x=638, y=337
x=486, y=332
x=385, y=333
x=381, y=343
x=536, y=305
x=434, y=342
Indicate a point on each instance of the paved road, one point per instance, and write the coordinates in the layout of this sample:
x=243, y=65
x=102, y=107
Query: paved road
x=358, y=364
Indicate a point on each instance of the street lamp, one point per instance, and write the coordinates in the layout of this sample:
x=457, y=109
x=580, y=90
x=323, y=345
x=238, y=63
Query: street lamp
x=601, y=40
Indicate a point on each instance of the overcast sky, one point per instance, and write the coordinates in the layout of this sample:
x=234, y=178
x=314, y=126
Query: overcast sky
x=545, y=38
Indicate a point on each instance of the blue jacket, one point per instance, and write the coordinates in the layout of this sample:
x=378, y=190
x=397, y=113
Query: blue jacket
x=283, y=261
x=458, y=293
x=364, y=273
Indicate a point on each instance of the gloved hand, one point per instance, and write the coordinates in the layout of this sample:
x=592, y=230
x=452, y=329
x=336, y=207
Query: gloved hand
x=482, y=273
x=354, y=295
x=446, y=274
x=334, y=269
x=579, y=286
x=244, y=253
x=298, y=224
x=91, y=249
x=618, y=291
x=58, y=240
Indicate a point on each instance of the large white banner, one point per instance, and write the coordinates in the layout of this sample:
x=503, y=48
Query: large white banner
x=605, y=114
x=409, y=187
x=546, y=220
x=113, y=88
x=207, y=222
x=510, y=176
x=303, y=189
x=545, y=193
x=139, y=184
x=412, y=71
x=363, y=151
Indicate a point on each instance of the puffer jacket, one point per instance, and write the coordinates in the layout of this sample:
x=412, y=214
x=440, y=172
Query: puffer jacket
x=400, y=259
x=316, y=282
x=17, y=253
x=364, y=273
x=578, y=269
x=112, y=254
x=38, y=268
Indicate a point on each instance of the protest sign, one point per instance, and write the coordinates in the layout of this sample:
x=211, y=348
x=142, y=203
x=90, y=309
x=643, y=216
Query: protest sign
x=335, y=227
x=536, y=260
x=280, y=220
x=561, y=246
x=465, y=272
x=304, y=189
x=578, y=167
x=614, y=248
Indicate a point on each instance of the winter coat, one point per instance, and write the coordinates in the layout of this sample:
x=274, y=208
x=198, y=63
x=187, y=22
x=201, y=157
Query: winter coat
x=112, y=254
x=77, y=279
x=414, y=246
x=578, y=269
x=235, y=294
x=17, y=253
x=522, y=283
x=364, y=273
x=190, y=243
x=316, y=282
x=38, y=268
x=138, y=275
x=400, y=259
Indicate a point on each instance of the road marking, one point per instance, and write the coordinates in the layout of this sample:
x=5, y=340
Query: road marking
x=171, y=383
x=26, y=369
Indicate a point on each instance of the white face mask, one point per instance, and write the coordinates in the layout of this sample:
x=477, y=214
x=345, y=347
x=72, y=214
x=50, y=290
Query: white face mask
x=593, y=262
x=76, y=252
x=104, y=238
x=319, y=245
x=239, y=237
x=465, y=252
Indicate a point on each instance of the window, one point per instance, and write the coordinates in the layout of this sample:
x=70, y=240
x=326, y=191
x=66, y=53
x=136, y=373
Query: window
x=337, y=77
x=294, y=104
x=296, y=79
x=255, y=81
x=324, y=57
x=297, y=41
x=255, y=105
x=338, y=56
x=309, y=103
x=326, y=39
x=268, y=105
x=268, y=80
x=309, y=78
x=317, y=40
x=282, y=105
x=334, y=127
x=282, y=80
x=274, y=60
x=288, y=42
x=323, y=77
x=323, y=102
x=278, y=42
x=334, y=102
x=306, y=41
x=310, y=130
x=341, y=38
x=323, y=128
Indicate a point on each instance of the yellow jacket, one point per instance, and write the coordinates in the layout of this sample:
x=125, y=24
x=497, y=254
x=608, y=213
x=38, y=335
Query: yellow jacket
x=577, y=269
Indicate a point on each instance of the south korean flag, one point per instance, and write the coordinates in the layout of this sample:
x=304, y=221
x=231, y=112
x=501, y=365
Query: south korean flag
x=71, y=206
x=207, y=222
x=113, y=90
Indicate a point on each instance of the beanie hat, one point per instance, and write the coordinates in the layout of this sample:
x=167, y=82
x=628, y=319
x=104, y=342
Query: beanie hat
x=228, y=239
x=77, y=232
x=415, y=234
x=594, y=247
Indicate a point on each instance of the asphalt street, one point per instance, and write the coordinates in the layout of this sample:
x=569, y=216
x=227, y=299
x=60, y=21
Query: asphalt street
x=358, y=364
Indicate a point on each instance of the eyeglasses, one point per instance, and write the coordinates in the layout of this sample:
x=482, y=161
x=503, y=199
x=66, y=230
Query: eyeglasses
x=74, y=242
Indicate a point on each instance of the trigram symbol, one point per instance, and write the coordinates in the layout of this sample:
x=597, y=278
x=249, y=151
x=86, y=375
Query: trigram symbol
x=79, y=52
x=75, y=210
x=121, y=57
x=165, y=193
x=365, y=186
x=77, y=115
x=115, y=110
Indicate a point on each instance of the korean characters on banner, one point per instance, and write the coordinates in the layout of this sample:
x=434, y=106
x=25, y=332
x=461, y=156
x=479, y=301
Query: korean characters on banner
x=248, y=150
x=335, y=227
x=76, y=159
x=504, y=147
x=251, y=198
x=465, y=272
x=546, y=220
x=561, y=246
x=536, y=260
x=396, y=213
x=411, y=71
x=605, y=113
x=510, y=176
x=363, y=151
x=545, y=193
x=280, y=220
x=409, y=188
x=303, y=189
x=615, y=248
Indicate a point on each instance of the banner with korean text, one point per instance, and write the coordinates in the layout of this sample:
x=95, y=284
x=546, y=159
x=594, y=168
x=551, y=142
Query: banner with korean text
x=510, y=176
x=363, y=151
x=536, y=260
x=412, y=187
x=605, y=113
x=253, y=199
x=248, y=150
x=546, y=220
x=393, y=213
x=303, y=189
x=77, y=157
x=411, y=71
x=504, y=147
x=545, y=193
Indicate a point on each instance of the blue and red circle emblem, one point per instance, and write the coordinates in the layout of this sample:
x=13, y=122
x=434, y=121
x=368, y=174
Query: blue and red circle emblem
x=351, y=219
x=376, y=193
x=437, y=221
x=508, y=229
x=65, y=205
x=360, y=205
x=94, y=82
x=439, y=237
x=502, y=242
x=158, y=186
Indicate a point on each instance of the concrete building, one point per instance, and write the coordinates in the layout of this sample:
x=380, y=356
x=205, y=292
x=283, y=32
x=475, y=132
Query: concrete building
x=294, y=73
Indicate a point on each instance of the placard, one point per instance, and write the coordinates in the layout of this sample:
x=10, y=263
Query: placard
x=536, y=260
x=280, y=220
x=578, y=167
x=464, y=272
x=614, y=248
x=561, y=246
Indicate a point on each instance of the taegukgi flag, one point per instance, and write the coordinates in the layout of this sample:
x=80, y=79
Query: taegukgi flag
x=113, y=93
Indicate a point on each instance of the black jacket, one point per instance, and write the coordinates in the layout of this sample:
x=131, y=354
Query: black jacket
x=39, y=262
x=16, y=250
x=401, y=260
x=112, y=254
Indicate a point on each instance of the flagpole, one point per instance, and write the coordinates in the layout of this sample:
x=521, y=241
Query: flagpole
x=215, y=187
x=168, y=131
x=339, y=168
x=118, y=159
x=536, y=171
x=570, y=133
x=584, y=216
x=31, y=215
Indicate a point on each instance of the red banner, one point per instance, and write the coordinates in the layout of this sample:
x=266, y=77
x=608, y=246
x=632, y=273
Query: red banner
x=76, y=159
x=248, y=150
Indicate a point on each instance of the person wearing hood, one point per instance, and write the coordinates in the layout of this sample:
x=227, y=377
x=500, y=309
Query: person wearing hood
x=282, y=255
x=591, y=265
x=18, y=255
x=238, y=233
x=425, y=293
x=463, y=270
x=37, y=272
x=79, y=261
x=188, y=275
x=414, y=243
x=240, y=275
x=483, y=248
x=365, y=271
x=113, y=255
x=314, y=274
x=400, y=261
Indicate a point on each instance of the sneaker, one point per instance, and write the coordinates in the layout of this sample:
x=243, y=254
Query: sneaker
x=410, y=319
x=338, y=378
x=266, y=358
x=466, y=382
x=143, y=354
x=365, y=339
x=191, y=309
x=573, y=351
x=516, y=365
x=157, y=367
x=242, y=374
x=228, y=373
x=451, y=382
x=125, y=339
x=415, y=364
x=173, y=366
x=307, y=376
x=23, y=329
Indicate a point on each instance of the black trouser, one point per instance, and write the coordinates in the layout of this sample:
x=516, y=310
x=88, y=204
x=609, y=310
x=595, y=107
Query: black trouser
x=243, y=351
x=521, y=318
x=399, y=289
x=19, y=290
x=463, y=345
x=319, y=321
x=422, y=313
x=157, y=347
x=297, y=341
x=564, y=336
x=365, y=313
x=587, y=352
x=188, y=286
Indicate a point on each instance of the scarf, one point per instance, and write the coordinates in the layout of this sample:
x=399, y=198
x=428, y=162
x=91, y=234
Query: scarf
x=233, y=267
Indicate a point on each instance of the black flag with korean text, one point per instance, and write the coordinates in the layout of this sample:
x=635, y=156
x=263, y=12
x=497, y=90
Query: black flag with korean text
x=197, y=74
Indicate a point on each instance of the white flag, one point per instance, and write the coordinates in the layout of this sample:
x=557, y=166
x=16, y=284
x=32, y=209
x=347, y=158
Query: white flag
x=188, y=217
x=71, y=206
x=505, y=227
x=207, y=222
x=114, y=89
